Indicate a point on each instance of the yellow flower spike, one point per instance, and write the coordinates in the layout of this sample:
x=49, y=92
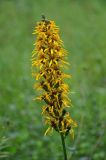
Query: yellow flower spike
x=49, y=63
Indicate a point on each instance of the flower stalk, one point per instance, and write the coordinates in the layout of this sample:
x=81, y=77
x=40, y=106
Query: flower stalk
x=48, y=63
x=64, y=147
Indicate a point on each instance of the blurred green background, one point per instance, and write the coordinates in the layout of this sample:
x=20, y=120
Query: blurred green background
x=83, y=29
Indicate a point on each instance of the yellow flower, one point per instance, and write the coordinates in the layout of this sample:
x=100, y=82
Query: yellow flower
x=48, y=60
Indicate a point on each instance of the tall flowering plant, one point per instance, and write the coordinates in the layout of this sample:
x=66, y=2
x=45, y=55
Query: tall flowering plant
x=49, y=60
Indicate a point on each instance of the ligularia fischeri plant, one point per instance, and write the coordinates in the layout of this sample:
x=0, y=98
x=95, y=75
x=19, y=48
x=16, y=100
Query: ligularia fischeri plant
x=48, y=63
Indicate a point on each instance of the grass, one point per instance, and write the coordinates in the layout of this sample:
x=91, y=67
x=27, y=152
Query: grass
x=82, y=25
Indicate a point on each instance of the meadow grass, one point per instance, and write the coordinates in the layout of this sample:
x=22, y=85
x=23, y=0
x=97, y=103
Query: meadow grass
x=83, y=30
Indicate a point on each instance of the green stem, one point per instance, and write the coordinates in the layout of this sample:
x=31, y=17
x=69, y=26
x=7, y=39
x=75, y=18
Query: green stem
x=64, y=147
